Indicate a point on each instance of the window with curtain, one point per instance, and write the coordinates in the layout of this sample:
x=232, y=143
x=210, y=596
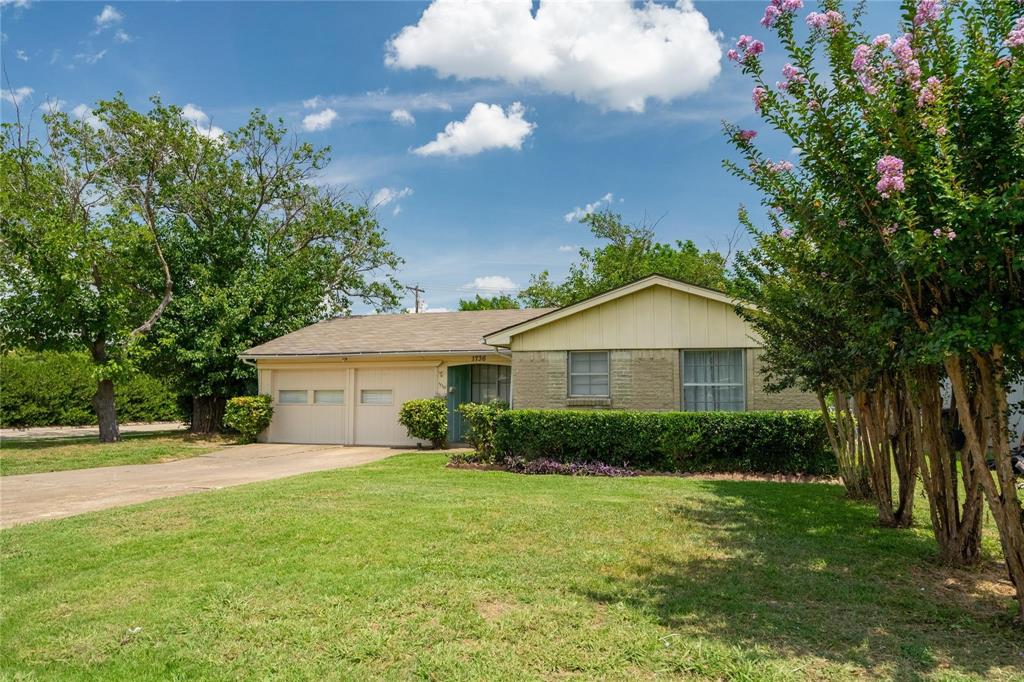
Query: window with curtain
x=713, y=381
x=588, y=374
x=489, y=383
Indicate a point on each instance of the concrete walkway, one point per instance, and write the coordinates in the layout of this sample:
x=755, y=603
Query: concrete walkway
x=53, y=495
x=79, y=431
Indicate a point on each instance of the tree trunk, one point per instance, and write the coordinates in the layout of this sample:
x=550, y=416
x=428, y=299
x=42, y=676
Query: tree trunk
x=106, y=411
x=207, y=414
x=103, y=400
x=984, y=423
x=883, y=426
x=956, y=525
x=846, y=446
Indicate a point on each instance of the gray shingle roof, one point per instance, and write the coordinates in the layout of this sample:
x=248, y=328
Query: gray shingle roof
x=405, y=333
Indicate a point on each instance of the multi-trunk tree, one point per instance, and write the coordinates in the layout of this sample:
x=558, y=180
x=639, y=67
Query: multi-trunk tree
x=909, y=192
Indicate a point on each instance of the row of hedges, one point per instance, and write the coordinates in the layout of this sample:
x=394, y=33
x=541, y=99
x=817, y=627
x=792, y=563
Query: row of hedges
x=51, y=389
x=747, y=442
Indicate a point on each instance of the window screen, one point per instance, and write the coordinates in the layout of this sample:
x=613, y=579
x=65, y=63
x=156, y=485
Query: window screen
x=489, y=383
x=588, y=374
x=329, y=397
x=292, y=397
x=713, y=380
x=375, y=396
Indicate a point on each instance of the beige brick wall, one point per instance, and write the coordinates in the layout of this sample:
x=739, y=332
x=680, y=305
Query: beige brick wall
x=759, y=399
x=640, y=380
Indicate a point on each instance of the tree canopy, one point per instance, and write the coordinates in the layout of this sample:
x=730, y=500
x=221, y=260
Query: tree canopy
x=631, y=252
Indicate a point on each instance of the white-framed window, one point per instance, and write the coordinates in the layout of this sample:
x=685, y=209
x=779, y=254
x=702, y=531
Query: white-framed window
x=329, y=397
x=588, y=374
x=292, y=397
x=375, y=396
x=713, y=380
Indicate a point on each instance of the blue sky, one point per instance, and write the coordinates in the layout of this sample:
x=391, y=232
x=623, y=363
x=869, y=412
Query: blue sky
x=608, y=115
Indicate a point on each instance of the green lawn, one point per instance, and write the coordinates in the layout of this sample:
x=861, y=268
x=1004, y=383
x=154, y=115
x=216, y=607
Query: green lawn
x=19, y=456
x=404, y=569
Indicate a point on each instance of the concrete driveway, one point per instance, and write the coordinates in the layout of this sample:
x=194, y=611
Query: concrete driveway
x=53, y=495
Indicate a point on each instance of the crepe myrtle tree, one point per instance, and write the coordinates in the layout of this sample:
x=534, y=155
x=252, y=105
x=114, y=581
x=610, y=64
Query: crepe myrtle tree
x=911, y=145
x=84, y=214
x=264, y=249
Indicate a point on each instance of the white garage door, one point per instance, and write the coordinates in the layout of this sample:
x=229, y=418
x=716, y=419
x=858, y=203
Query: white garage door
x=379, y=396
x=309, y=406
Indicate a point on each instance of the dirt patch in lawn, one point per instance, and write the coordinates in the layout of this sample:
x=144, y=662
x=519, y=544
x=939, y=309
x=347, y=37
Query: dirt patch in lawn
x=709, y=476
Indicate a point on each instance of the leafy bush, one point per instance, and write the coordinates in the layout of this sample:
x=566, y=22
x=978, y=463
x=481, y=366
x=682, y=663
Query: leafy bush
x=426, y=419
x=56, y=389
x=249, y=415
x=482, y=418
x=751, y=442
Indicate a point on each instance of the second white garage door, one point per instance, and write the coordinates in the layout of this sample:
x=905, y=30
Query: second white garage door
x=379, y=396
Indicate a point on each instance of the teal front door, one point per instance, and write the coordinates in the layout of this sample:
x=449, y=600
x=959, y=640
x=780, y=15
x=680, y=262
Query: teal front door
x=459, y=387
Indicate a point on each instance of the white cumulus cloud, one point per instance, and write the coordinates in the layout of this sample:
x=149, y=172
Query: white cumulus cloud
x=108, y=17
x=487, y=126
x=403, y=117
x=20, y=54
x=566, y=248
x=313, y=102
x=321, y=120
x=491, y=284
x=15, y=96
x=615, y=53
x=122, y=37
x=387, y=195
x=201, y=121
x=579, y=213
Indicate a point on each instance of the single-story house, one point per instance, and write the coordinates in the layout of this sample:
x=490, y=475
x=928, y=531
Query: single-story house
x=655, y=344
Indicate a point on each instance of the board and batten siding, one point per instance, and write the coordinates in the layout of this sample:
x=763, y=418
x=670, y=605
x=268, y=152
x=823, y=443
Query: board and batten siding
x=655, y=317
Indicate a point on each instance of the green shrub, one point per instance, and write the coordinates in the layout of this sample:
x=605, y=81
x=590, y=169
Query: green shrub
x=426, y=419
x=56, y=389
x=249, y=415
x=750, y=442
x=482, y=418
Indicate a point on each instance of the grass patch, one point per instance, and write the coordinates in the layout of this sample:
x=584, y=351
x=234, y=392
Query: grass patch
x=404, y=568
x=18, y=456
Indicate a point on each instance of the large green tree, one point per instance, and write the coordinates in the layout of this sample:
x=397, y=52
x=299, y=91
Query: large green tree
x=265, y=251
x=84, y=221
x=631, y=252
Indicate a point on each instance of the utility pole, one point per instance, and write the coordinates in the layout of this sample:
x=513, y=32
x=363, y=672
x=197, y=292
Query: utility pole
x=416, y=290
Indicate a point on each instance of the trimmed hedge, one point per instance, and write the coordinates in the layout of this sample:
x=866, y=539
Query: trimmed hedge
x=426, y=419
x=744, y=442
x=481, y=418
x=56, y=389
x=249, y=415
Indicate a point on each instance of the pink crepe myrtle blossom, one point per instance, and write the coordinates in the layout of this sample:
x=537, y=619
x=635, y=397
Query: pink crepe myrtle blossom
x=743, y=42
x=941, y=131
x=732, y=55
x=757, y=95
x=927, y=12
x=882, y=40
x=929, y=92
x=786, y=233
x=831, y=20
x=1015, y=38
x=813, y=105
x=756, y=47
x=938, y=232
x=861, y=66
x=891, y=229
x=904, y=54
x=771, y=13
x=747, y=135
x=779, y=167
x=793, y=75
x=890, y=168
